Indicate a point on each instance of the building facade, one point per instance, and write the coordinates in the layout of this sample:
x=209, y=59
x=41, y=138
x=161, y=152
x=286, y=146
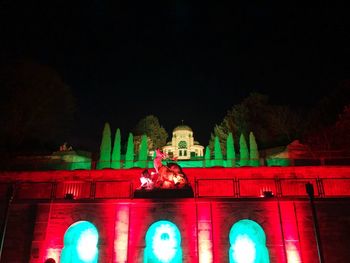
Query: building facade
x=236, y=215
x=182, y=145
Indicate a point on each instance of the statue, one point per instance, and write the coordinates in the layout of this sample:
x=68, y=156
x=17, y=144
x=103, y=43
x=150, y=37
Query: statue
x=146, y=180
x=157, y=162
x=64, y=147
x=168, y=176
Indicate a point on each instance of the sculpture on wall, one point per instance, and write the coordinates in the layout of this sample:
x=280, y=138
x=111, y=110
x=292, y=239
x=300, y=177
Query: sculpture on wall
x=64, y=147
x=168, y=176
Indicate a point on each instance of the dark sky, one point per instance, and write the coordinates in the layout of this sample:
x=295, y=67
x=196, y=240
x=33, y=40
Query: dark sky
x=178, y=60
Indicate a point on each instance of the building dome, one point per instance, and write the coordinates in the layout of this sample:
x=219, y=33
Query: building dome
x=182, y=145
x=182, y=128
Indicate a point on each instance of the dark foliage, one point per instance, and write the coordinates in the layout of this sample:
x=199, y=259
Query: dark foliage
x=36, y=107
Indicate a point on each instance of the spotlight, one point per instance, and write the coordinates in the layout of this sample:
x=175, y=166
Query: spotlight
x=267, y=194
x=69, y=196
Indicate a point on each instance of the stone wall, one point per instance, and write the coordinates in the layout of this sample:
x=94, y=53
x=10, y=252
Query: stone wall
x=36, y=230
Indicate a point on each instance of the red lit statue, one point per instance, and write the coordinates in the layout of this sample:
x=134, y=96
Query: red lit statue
x=168, y=176
x=157, y=162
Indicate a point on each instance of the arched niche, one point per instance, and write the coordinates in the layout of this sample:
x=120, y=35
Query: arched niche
x=80, y=243
x=248, y=243
x=163, y=243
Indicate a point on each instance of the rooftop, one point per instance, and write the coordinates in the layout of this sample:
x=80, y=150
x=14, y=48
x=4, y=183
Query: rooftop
x=182, y=127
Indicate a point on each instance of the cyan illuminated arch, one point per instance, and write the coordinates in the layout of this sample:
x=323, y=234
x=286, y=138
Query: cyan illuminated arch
x=248, y=243
x=163, y=243
x=80, y=243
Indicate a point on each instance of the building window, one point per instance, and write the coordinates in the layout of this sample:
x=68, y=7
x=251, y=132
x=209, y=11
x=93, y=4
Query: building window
x=248, y=243
x=80, y=243
x=180, y=153
x=163, y=243
x=182, y=145
x=185, y=153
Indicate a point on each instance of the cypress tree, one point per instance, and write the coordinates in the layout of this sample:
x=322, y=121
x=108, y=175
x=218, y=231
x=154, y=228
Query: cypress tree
x=254, y=153
x=230, y=150
x=207, y=157
x=105, y=148
x=143, y=152
x=243, y=151
x=116, y=151
x=153, y=157
x=129, y=156
x=217, y=152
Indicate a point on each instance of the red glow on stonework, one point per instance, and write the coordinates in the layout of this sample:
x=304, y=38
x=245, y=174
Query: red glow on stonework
x=188, y=228
x=205, y=240
x=121, y=233
x=293, y=254
x=53, y=253
x=73, y=189
x=139, y=221
x=203, y=221
x=290, y=232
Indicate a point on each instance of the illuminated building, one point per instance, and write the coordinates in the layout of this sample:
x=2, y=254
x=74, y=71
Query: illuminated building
x=249, y=214
x=182, y=145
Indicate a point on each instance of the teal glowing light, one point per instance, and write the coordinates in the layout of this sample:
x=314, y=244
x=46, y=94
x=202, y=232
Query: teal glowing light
x=80, y=243
x=163, y=243
x=248, y=243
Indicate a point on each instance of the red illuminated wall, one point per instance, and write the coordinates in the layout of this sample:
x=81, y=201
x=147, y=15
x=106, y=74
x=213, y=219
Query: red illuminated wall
x=39, y=216
x=204, y=227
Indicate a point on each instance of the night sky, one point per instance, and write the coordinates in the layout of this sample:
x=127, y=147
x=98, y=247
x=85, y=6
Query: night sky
x=175, y=59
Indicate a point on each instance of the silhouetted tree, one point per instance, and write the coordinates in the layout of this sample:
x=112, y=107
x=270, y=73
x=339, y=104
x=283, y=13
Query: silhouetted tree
x=284, y=123
x=342, y=129
x=105, y=148
x=327, y=110
x=137, y=143
x=151, y=127
x=332, y=138
x=36, y=107
x=250, y=114
x=220, y=131
x=273, y=124
x=116, y=150
x=320, y=125
x=129, y=156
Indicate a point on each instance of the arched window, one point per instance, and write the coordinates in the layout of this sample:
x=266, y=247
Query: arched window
x=80, y=243
x=248, y=243
x=182, y=145
x=163, y=243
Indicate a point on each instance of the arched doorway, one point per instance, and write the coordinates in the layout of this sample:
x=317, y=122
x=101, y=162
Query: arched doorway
x=80, y=243
x=248, y=243
x=163, y=243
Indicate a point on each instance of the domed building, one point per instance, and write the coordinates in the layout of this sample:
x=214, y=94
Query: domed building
x=183, y=146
